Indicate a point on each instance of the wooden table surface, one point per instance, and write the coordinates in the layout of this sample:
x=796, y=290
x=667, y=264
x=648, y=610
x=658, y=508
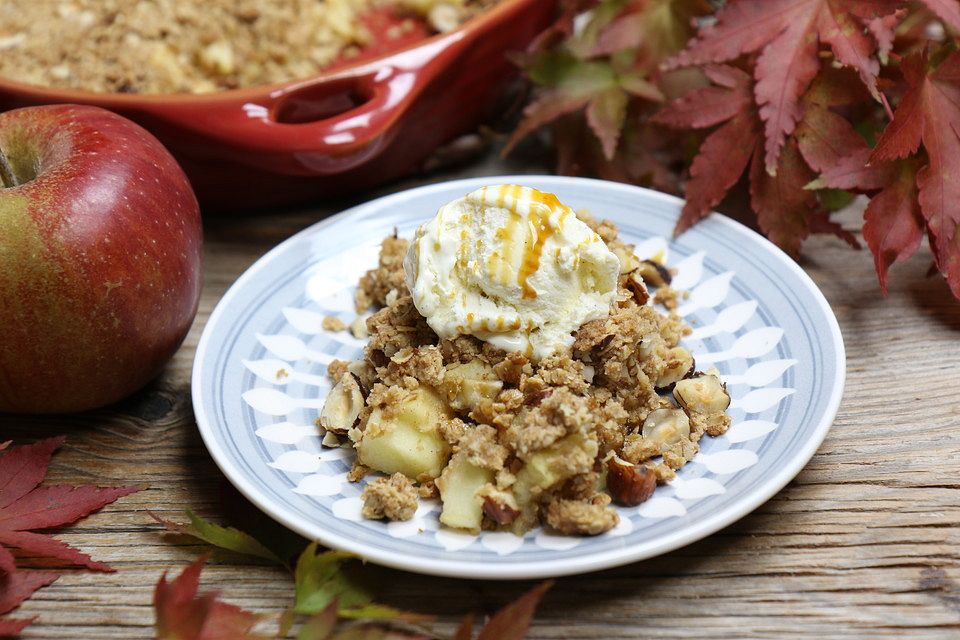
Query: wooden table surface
x=864, y=543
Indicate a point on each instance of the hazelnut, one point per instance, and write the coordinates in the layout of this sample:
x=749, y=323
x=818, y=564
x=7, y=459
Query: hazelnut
x=358, y=328
x=342, y=407
x=634, y=282
x=330, y=440
x=628, y=261
x=703, y=393
x=666, y=427
x=654, y=273
x=365, y=374
x=678, y=364
x=629, y=484
x=497, y=509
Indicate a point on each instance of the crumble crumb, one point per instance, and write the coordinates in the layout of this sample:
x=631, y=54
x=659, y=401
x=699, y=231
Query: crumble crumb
x=395, y=327
x=713, y=424
x=583, y=486
x=393, y=498
x=421, y=364
x=479, y=444
x=337, y=368
x=357, y=472
x=668, y=297
x=428, y=490
x=562, y=412
x=333, y=323
x=580, y=517
x=388, y=276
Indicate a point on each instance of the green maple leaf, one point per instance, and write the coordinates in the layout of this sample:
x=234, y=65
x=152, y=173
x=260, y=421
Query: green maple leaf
x=321, y=578
x=219, y=536
x=333, y=576
x=605, y=66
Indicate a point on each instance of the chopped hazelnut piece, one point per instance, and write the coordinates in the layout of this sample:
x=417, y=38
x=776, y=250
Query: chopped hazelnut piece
x=666, y=426
x=330, y=440
x=342, y=406
x=703, y=393
x=629, y=484
x=358, y=328
x=678, y=364
x=654, y=273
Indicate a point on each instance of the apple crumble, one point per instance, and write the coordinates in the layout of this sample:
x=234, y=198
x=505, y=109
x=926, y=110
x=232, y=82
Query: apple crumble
x=185, y=46
x=509, y=442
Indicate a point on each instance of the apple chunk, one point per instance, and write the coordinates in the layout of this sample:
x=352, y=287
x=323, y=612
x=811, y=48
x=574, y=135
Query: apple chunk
x=458, y=485
x=465, y=385
x=407, y=440
x=546, y=469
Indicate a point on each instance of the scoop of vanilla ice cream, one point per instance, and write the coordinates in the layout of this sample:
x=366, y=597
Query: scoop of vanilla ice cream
x=513, y=266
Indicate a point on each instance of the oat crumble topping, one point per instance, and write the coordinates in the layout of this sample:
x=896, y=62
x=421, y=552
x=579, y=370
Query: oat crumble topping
x=187, y=46
x=393, y=498
x=509, y=444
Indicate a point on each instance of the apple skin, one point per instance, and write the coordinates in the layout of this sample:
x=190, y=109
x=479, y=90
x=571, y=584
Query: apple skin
x=100, y=259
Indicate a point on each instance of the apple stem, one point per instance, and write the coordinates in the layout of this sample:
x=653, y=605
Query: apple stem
x=7, y=174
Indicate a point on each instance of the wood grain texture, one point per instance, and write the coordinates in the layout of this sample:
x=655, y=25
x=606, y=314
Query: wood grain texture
x=865, y=543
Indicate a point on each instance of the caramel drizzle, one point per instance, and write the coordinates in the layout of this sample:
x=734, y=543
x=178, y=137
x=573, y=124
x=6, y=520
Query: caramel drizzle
x=539, y=230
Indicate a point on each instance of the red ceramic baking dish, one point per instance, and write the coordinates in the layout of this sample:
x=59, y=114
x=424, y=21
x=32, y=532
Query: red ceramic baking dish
x=339, y=131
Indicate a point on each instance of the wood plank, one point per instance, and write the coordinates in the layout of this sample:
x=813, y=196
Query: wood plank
x=865, y=543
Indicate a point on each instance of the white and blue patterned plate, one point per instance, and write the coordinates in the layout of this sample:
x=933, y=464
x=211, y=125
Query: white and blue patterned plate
x=259, y=381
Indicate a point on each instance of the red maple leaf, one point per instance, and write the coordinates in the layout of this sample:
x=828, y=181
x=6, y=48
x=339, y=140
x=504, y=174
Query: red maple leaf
x=725, y=153
x=15, y=587
x=893, y=227
x=183, y=614
x=25, y=506
x=512, y=622
x=929, y=114
x=13, y=626
x=788, y=34
x=787, y=210
x=834, y=149
x=946, y=10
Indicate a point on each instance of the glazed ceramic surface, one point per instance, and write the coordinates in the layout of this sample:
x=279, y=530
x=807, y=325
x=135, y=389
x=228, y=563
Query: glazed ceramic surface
x=259, y=382
x=338, y=131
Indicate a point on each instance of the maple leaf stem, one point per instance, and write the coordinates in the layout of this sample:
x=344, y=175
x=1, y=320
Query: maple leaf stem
x=886, y=105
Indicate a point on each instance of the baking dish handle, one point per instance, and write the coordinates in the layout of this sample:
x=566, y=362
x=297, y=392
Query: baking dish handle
x=333, y=123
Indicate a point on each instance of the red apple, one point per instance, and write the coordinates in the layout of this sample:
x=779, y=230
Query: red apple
x=100, y=256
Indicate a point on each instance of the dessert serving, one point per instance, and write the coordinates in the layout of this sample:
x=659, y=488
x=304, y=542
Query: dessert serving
x=519, y=370
x=183, y=46
x=261, y=381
